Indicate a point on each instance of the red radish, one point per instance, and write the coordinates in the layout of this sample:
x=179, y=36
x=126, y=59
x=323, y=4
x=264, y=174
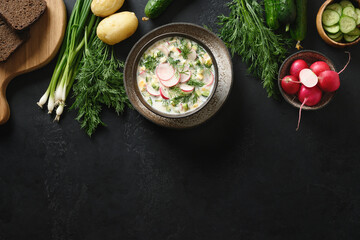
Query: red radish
x=142, y=74
x=184, y=77
x=192, y=55
x=308, y=96
x=312, y=95
x=172, y=82
x=329, y=81
x=152, y=91
x=319, y=66
x=308, y=78
x=208, y=78
x=178, y=50
x=290, y=84
x=164, y=93
x=186, y=88
x=297, y=66
x=164, y=71
x=164, y=50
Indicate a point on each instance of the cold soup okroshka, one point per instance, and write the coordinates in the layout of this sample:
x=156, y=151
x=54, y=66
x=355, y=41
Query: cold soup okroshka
x=176, y=76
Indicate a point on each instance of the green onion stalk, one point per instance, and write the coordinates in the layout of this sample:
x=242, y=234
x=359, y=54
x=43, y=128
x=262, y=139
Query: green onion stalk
x=81, y=22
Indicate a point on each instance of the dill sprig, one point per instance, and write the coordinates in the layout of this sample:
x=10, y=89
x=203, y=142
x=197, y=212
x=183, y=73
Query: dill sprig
x=99, y=82
x=195, y=83
x=245, y=33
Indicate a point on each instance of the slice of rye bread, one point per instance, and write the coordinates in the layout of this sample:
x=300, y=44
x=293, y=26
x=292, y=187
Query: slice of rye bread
x=20, y=14
x=10, y=40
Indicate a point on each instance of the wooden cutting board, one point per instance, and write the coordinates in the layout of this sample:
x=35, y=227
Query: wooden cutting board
x=46, y=36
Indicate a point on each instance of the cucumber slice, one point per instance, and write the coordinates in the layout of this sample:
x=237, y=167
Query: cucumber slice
x=339, y=38
x=347, y=24
x=350, y=38
x=335, y=36
x=355, y=32
x=330, y=18
x=358, y=15
x=350, y=12
x=335, y=7
x=332, y=29
x=346, y=3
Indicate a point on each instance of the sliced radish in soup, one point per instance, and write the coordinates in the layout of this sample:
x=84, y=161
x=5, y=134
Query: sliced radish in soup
x=192, y=55
x=172, y=82
x=186, y=88
x=185, y=76
x=208, y=78
x=164, y=71
x=164, y=93
x=152, y=91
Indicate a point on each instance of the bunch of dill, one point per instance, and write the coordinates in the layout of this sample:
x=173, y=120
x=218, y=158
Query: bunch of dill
x=245, y=33
x=99, y=82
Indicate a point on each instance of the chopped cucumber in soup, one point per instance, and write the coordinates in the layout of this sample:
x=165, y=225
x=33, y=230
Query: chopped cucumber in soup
x=205, y=93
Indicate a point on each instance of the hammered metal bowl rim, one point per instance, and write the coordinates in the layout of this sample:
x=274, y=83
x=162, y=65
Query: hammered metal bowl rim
x=225, y=82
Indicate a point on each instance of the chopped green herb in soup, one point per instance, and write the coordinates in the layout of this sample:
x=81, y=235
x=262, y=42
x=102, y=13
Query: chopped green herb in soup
x=176, y=75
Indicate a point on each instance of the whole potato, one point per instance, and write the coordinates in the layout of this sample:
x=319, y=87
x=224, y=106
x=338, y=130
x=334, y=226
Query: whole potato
x=117, y=27
x=104, y=8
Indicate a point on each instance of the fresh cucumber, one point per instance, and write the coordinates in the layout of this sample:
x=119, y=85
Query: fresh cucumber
x=154, y=8
x=350, y=38
x=299, y=28
x=335, y=7
x=339, y=38
x=332, y=29
x=358, y=15
x=271, y=14
x=350, y=12
x=286, y=12
x=355, y=32
x=346, y=3
x=330, y=18
x=335, y=36
x=347, y=24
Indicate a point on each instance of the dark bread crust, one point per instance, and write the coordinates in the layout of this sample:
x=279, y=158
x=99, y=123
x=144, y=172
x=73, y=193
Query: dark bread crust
x=20, y=14
x=10, y=40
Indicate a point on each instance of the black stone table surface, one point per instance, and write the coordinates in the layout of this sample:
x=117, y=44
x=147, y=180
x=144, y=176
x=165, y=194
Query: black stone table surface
x=245, y=174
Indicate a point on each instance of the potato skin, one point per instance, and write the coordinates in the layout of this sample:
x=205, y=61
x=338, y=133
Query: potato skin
x=117, y=27
x=104, y=8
